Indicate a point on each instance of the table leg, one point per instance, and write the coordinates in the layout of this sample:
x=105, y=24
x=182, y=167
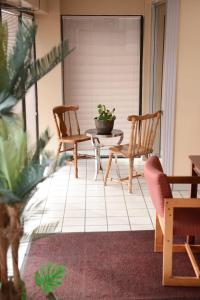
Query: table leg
x=97, y=148
x=118, y=143
x=97, y=162
x=193, y=194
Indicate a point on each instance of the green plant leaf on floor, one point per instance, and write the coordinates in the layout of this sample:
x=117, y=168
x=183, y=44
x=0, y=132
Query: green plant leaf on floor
x=23, y=288
x=49, y=277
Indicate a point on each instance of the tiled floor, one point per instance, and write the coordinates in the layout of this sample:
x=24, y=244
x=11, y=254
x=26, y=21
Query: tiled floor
x=85, y=205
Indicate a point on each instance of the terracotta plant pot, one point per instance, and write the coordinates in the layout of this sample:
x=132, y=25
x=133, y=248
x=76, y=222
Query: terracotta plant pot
x=104, y=126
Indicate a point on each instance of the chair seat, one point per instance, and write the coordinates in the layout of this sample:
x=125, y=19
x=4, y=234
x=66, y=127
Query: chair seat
x=186, y=221
x=75, y=138
x=123, y=150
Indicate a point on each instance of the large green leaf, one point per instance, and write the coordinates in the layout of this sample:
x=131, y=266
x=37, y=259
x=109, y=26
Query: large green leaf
x=19, y=172
x=12, y=152
x=49, y=277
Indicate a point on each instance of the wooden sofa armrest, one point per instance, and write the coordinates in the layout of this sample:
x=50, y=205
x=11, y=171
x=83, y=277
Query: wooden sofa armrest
x=184, y=179
x=171, y=203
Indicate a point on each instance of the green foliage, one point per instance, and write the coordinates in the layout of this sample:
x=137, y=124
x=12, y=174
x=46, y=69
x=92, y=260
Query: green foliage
x=49, y=277
x=3, y=56
x=18, y=70
x=105, y=114
x=20, y=172
x=23, y=289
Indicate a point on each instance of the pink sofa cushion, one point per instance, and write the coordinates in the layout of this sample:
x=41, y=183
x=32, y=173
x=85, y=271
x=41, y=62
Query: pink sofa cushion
x=157, y=183
x=186, y=220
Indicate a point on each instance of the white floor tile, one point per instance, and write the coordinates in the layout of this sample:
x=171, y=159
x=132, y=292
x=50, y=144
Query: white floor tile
x=95, y=228
x=137, y=205
x=116, y=206
x=74, y=213
x=78, y=205
x=138, y=212
x=75, y=199
x=140, y=220
x=96, y=213
x=115, y=199
x=135, y=227
x=119, y=227
x=96, y=221
x=73, y=221
x=95, y=205
x=118, y=221
x=116, y=213
x=73, y=229
x=93, y=193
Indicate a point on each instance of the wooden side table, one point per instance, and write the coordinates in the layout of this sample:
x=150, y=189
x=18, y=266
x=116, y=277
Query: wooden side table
x=195, y=159
x=95, y=139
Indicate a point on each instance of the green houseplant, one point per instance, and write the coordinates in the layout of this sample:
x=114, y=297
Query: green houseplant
x=49, y=277
x=20, y=171
x=105, y=120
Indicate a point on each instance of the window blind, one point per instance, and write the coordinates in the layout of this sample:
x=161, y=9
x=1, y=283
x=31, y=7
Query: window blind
x=27, y=107
x=104, y=68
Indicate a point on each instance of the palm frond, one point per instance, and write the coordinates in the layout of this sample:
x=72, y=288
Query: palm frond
x=31, y=175
x=20, y=59
x=42, y=66
x=42, y=142
x=20, y=71
x=4, y=78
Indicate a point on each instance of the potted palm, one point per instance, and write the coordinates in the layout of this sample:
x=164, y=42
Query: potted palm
x=20, y=171
x=105, y=121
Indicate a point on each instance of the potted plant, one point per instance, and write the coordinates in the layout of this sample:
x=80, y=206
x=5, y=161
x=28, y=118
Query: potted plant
x=105, y=121
x=20, y=171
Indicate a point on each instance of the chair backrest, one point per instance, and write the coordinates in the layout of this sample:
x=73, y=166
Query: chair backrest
x=66, y=120
x=143, y=133
x=157, y=183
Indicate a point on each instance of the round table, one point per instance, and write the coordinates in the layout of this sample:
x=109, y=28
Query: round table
x=95, y=139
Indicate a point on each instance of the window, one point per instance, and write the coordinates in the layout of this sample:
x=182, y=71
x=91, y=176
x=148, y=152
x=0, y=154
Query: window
x=104, y=68
x=27, y=107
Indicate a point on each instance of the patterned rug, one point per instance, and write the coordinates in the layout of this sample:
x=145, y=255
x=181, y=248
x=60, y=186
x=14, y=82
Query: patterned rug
x=107, y=265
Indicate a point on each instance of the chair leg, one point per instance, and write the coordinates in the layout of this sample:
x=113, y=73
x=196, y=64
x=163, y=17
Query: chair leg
x=158, y=239
x=130, y=175
x=75, y=160
x=167, y=246
x=108, y=167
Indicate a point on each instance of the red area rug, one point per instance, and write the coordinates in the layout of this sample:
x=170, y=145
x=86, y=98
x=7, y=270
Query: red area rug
x=107, y=265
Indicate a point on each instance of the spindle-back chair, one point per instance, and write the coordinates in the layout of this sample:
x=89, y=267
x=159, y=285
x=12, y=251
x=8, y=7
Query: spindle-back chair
x=143, y=132
x=68, y=131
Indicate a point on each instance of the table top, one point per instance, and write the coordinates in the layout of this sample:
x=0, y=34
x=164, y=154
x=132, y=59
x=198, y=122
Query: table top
x=195, y=159
x=93, y=133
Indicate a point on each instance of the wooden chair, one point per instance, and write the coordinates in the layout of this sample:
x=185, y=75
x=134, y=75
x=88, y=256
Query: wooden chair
x=68, y=134
x=143, y=132
x=174, y=218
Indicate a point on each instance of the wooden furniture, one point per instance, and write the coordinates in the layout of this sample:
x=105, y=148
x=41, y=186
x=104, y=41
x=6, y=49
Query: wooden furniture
x=95, y=139
x=143, y=132
x=195, y=159
x=68, y=131
x=174, y=218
